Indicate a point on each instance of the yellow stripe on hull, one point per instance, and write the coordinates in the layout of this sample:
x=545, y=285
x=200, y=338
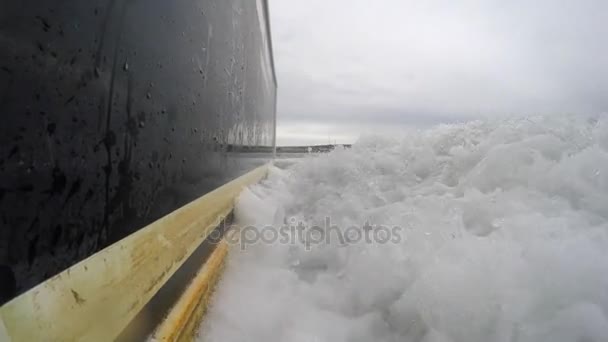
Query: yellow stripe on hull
x=97, y=298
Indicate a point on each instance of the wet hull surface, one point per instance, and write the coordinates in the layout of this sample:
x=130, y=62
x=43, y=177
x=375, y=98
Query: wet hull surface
x=115, y=113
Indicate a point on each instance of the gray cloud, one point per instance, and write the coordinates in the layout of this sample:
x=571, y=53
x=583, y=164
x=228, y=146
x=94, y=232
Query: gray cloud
x=415, y=63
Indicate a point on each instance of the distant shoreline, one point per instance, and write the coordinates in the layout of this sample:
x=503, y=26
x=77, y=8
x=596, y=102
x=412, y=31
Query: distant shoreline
x=311, y=148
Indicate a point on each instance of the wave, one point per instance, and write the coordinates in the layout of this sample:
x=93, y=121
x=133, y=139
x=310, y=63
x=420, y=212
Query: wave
x=503, y=237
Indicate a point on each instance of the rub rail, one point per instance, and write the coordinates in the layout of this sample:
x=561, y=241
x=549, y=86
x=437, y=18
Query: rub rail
x=97, y=298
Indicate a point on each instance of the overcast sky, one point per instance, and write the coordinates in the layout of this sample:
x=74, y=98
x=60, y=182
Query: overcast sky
x=347, y=67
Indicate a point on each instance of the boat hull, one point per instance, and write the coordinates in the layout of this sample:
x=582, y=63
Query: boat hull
x=116, y=113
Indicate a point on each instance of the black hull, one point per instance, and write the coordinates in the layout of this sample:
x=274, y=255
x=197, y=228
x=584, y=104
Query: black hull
x=117, y=112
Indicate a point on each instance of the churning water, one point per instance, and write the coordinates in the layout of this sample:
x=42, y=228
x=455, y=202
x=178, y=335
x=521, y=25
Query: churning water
x=503, y=237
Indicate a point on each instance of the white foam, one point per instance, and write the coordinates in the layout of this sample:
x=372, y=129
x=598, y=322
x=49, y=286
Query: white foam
x=504, y=238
